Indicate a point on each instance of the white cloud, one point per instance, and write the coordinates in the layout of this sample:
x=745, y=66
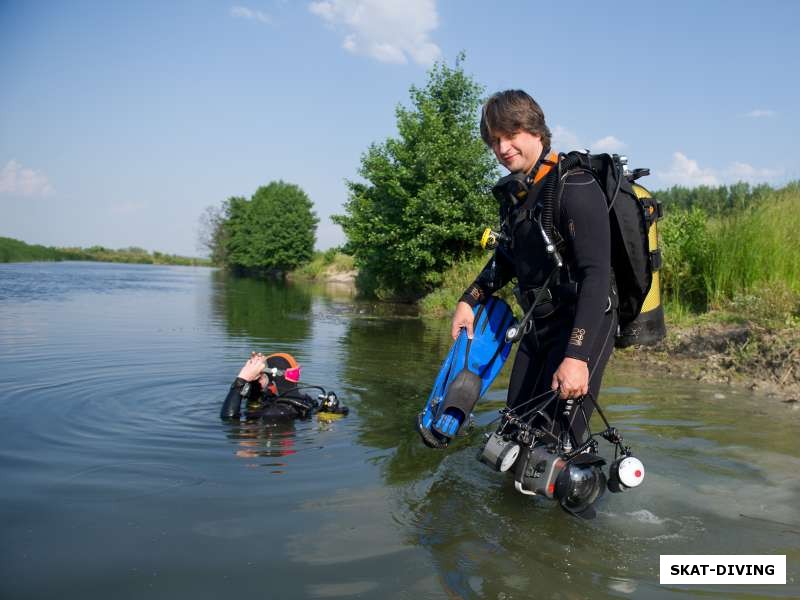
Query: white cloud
x=608, y=144
x=761, y=113
x=16, y=179
x=390, y=31
x=242, y=12
x=744, y=172
x=564, y=140
x=687, y=172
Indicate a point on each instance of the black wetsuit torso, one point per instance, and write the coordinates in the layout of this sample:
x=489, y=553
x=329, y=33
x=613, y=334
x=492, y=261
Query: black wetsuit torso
x=262, y=404
x=576, y=318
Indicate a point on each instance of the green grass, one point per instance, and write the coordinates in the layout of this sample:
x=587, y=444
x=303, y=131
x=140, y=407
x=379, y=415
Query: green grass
x=745, y=263
x=322, y=263
x=442, y=301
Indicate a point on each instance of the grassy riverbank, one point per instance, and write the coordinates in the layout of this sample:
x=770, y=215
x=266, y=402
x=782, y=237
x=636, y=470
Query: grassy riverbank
x=12, y=250
x=730, y=290
x=331, y=265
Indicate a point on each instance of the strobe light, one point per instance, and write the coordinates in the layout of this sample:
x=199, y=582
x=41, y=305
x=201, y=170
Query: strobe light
x=625, y=473
x=499, y=453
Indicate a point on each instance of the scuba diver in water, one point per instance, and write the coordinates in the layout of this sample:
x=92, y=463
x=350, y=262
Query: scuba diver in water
x=572, y=328
x=556, y=239
x=271, y=390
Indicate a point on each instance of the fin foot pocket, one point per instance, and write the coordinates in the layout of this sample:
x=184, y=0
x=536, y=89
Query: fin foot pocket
x=428, y=437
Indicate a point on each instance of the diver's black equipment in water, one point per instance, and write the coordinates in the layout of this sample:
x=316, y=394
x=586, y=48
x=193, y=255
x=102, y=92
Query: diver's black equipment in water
x=548, y=462
x=329, y=403
x=283, y=396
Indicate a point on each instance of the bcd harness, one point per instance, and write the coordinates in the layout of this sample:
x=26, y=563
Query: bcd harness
x=630, y=218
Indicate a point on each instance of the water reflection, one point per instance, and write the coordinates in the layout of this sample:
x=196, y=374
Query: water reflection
x=256, y=439
x=261, y=309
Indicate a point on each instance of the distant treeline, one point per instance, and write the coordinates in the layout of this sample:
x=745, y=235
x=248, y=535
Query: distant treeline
x=720, y=200
x=12, y=250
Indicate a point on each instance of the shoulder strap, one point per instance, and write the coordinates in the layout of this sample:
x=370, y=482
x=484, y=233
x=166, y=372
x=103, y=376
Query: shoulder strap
x=542, y=168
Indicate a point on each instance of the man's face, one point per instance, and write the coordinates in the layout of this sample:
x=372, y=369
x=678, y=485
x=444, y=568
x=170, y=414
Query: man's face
x=517, y=152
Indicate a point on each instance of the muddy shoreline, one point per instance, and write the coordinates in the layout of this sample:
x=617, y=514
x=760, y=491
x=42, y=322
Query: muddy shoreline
x=741, y=355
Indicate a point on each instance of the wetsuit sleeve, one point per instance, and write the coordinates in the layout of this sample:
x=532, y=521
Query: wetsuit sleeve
x=584, y=221
x=233, y=401
x=497, y=272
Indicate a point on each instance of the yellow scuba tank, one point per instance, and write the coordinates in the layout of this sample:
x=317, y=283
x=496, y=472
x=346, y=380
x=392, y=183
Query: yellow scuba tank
x=649, y=327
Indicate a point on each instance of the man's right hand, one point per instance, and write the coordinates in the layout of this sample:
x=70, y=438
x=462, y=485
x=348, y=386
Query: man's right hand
x=463, y=317
x=252, y=368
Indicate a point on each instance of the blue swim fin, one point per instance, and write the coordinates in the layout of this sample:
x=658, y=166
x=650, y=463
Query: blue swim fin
x=467, y=372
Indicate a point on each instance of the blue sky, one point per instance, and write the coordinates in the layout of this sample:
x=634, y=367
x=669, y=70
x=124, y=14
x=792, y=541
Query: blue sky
x=120, y=122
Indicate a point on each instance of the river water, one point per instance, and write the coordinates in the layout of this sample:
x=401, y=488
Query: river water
x=119, y=480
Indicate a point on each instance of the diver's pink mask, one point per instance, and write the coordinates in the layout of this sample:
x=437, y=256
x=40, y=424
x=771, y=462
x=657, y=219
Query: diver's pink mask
x=292, y=374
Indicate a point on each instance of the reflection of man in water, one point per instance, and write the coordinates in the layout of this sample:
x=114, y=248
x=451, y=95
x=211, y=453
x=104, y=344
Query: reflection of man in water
x=270, y=387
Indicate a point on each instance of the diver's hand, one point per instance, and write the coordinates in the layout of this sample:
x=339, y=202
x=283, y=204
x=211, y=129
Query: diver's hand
x=572, y=378
x=253, y=367
x=463, y=317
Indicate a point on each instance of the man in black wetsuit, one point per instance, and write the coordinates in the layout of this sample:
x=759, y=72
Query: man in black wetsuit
x=575, y=318
x=275, y=399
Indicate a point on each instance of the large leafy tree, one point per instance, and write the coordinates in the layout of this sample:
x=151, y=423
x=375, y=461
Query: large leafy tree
x=424, y=199
x=273, y=231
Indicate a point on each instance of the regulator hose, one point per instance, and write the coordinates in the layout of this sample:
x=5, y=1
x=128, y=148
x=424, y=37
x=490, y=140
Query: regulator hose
x=566, y=163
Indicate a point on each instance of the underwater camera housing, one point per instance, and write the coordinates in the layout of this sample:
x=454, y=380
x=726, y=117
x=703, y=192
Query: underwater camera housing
x=576, y=482
x=572, y=476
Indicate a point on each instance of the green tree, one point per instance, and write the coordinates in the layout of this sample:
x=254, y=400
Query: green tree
x=213, y=235
x=273, y=231
x=425, y=197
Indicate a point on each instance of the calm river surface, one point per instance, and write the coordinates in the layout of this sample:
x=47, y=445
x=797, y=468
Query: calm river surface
x=119, y=480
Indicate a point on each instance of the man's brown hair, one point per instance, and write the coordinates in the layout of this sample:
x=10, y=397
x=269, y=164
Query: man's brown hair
x=511, y=111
